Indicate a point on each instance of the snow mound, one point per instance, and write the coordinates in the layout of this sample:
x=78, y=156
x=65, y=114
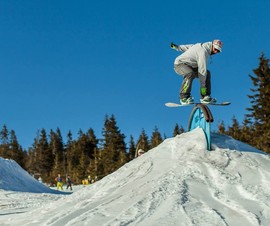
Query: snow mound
x=177, y=183
x=14, y=178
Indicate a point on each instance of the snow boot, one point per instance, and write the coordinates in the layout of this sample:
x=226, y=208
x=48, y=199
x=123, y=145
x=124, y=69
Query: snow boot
x=187, y=100
x=208, y=100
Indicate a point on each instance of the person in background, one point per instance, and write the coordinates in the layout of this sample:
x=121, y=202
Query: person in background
x=139, y=153
x=69, y=183
x=59, y=181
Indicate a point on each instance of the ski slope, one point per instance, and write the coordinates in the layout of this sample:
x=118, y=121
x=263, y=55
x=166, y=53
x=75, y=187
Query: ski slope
x=176, y=183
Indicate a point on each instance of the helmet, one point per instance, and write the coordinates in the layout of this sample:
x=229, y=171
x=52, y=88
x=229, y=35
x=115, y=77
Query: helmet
x=217, y=44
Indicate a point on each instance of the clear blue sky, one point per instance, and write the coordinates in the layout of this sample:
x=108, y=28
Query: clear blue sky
x=69, y=63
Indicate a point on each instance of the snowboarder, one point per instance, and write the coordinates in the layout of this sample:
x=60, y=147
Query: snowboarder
x=193, y=64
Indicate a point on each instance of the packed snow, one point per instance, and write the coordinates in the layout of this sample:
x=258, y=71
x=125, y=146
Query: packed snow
x=177, y=183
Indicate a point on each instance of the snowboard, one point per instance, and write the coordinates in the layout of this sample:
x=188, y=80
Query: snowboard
x=171, y=104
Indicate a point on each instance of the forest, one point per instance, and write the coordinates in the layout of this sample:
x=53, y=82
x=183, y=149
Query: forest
x=80, y=158
x=89, y=156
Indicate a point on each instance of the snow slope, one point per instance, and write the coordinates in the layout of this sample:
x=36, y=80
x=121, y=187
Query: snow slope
x=176, y=183
x=14, y=178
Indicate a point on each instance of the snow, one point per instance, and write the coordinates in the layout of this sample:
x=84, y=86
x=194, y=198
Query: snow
x=14, y=178
x=177, y=183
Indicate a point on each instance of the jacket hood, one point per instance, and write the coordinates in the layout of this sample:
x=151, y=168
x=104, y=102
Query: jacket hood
x=208, y=47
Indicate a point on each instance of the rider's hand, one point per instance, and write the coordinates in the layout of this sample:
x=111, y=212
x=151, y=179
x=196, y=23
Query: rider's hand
x=174, y=46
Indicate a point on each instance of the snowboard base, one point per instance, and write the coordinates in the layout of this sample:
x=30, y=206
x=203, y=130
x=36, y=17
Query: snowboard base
x=171, y=104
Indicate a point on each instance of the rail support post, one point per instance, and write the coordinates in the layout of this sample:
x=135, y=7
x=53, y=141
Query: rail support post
x=201, y=117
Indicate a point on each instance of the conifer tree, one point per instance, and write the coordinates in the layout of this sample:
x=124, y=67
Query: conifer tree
x=156, y=138
x=113, y=153
x=16, y=150
x=93, y=166
x=221, y=128
x=57, y=147
x=235, y=129
x=246, y=132
x=143, y=142
x=80, y=159
x=71, y=160
x=4, y=147
x=69, y=139
x=33, y=157
x=88, y=145
x=45, y=160
x=259, y=112
x=132, y=149
x=92, y=142
x=178, y=130
x=256, y=127
x=10, y=148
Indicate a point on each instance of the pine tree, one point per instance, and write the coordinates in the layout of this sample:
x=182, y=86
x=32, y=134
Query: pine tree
x=87, y=143
x=256, y=127
x=16, y=150
x=178, y=130
x=259, y=112
x=10, y=147
x=156, y=138
x=43, y=162
x=79, y=158
x=235, y=129
x=31, y=162
x=221, y=128
x=246, y=132
x=132, y=148
x=69, y=138
x=71, y=160
x=143, y=142
x=57, y=147
x=92, y=143
x=4, y=147
x=113, y=153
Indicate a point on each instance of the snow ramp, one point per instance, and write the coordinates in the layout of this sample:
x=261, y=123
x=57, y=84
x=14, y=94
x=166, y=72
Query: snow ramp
x=14, y=178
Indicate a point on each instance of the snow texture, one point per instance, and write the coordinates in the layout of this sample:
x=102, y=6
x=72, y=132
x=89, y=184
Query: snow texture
x=177, y=183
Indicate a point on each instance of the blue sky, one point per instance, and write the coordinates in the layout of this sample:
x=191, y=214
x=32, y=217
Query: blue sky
x=69, y=63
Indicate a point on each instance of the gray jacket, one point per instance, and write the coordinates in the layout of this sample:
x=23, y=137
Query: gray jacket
x=195, y=55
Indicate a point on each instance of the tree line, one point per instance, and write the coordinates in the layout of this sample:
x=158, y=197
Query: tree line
x=82, y=157
x=88, y=155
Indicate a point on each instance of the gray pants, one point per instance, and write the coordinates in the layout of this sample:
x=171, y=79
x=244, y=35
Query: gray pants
x=189, y=73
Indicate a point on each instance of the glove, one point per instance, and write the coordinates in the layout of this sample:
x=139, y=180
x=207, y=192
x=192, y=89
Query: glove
x=174, y=46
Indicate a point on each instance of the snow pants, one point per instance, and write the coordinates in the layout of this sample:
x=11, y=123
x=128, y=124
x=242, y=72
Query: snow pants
x=189, y=73
x=59, y=185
